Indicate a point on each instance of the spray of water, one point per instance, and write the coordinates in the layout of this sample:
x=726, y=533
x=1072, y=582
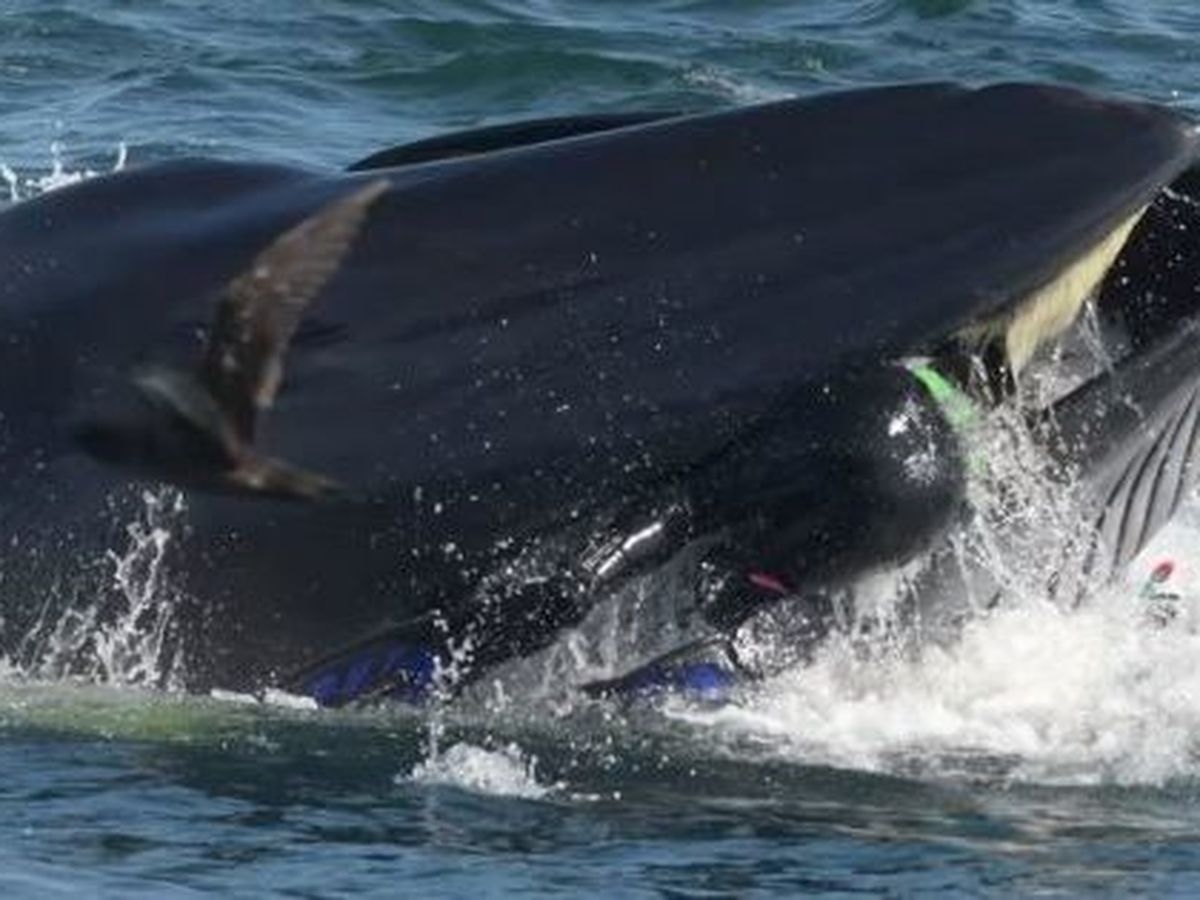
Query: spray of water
x=139, y=645
x=119, y=631
x=24, y=186
x=505, y=771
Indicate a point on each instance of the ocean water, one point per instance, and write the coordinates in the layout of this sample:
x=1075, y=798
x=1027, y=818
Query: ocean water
x=1047, y=751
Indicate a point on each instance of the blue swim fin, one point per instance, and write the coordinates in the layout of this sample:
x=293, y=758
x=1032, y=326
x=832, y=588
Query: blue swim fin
x=705, y=669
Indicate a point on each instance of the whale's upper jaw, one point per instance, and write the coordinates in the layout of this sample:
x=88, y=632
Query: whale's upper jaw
x=632, y=299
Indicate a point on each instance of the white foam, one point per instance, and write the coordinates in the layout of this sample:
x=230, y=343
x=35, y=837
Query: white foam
x=238, y=698
x=285, y=700
x=506, y=772
x=722, y=82
x=1096, y=695
x=269, y=698
x=24, y=186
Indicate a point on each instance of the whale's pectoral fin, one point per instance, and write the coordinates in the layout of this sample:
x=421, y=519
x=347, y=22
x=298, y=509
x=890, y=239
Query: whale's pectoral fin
x=260, y=310
x=180, y=435
x=199, y=426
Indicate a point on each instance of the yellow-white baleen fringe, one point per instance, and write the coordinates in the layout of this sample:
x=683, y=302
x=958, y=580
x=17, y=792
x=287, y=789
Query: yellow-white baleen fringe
x=1050, y=310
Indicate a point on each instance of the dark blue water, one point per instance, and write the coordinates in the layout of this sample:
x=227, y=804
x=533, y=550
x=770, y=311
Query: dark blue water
x=1049, y=753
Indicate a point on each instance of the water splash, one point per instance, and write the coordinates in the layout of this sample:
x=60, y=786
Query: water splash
x=121, y=632
x=138, y=646
x=1032, y=693
x=729, y=86
x=503, y=772
x=23, y=187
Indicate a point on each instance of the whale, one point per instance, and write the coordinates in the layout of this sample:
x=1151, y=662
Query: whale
x=441, y=404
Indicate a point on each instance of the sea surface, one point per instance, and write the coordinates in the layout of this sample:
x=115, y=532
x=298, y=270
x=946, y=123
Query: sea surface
x=1047, y=752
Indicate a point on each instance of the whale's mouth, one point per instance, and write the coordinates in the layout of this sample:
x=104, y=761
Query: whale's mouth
x=747, y=257
x=1106, y=303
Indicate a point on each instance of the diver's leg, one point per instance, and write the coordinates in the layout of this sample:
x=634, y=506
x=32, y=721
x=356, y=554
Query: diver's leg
x=519, y=610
